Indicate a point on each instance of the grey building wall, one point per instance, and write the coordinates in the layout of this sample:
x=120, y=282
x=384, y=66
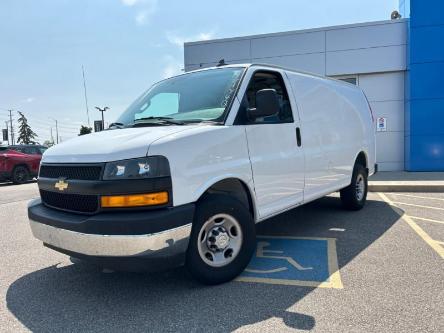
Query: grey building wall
x=374, y=53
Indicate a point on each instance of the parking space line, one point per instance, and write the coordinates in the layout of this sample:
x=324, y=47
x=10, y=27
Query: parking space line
x=333, y=267
x=416, y=196
x=419, y=206
x=427, y=220
x=334, y=280
x=425, y=236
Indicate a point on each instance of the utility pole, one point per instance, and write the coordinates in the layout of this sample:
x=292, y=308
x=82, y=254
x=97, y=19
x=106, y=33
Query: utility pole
x=57, y=130
x=103, y=119
x=52, y=138
x=12, y=128
x=86, y=97
x=6, y=124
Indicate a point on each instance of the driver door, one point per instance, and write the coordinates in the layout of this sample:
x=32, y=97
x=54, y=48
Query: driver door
x=275, y=151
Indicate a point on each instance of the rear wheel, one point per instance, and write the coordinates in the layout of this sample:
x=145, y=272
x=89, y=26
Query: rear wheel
x=20, y=175
x=354, y=196
x=222, y=240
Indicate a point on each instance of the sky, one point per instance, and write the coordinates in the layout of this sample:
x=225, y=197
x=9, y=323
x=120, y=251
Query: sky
x=127, y=45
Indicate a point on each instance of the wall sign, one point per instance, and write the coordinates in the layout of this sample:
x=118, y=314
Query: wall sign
x=381, y=124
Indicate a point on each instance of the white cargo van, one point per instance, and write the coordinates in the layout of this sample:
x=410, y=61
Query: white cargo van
x=190, y=167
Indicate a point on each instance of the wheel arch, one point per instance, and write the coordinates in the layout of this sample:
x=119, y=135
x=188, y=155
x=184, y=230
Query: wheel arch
x=362, y=158
x=235, y=187
x=21, y=165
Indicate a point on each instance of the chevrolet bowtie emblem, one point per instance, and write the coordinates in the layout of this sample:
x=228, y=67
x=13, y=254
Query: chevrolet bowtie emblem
x=61, y=185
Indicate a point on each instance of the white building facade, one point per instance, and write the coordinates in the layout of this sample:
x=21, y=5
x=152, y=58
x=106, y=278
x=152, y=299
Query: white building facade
x=372, y=55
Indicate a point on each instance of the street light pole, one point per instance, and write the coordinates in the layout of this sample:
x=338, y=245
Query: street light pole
x=103, y=119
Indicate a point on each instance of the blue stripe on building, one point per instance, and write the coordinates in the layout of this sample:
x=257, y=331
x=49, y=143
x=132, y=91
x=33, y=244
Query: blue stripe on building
x=424, y=122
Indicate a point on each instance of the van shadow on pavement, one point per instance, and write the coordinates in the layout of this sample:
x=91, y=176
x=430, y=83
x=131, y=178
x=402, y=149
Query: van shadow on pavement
x=80, y=298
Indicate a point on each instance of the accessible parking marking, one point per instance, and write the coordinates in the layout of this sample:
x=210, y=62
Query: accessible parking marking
x=296, y=261
x=434, y=244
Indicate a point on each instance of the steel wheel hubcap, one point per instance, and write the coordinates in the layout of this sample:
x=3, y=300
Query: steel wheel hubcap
x=220, y=240
x=360, y=187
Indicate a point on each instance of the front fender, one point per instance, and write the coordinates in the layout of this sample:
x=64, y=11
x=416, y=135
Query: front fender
x=203, y=156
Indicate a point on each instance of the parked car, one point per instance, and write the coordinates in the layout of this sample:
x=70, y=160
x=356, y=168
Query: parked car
x=29, y=149
x=16, y=166
x=190, y=167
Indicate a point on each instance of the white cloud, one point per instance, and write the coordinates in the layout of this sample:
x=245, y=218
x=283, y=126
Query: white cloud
x=180, y=40
x=206, y=35
x=129, y=3
x=141, y=17
x=28, y=100
x=145, y=9
x=173, y=67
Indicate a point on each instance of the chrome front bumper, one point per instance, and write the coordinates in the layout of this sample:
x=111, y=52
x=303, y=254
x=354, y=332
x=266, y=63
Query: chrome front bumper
x=162, y=244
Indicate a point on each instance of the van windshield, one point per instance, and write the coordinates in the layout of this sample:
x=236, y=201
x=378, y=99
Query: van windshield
x=188, y=98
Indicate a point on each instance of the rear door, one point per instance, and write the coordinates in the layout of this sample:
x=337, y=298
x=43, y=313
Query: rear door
x=276, y=159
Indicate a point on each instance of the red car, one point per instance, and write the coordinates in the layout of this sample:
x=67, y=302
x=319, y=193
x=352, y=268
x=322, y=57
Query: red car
x=20, y=163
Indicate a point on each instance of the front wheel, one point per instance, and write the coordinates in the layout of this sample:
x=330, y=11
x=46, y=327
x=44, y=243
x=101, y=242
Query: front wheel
x=354, y=196
x=222, y=240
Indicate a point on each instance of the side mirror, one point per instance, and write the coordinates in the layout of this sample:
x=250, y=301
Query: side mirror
x=267, y=104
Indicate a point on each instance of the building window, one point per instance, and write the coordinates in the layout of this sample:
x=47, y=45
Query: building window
x=353, y=79
x=349, y=79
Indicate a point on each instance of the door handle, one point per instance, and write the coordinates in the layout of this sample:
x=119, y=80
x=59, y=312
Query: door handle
x=298, y=136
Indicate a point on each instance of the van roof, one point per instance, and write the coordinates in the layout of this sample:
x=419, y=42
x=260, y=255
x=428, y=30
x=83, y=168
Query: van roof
x=247, y=65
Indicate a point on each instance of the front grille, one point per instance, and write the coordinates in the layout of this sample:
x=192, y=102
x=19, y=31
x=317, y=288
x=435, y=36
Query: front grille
x=72, y=202
x=81, y=172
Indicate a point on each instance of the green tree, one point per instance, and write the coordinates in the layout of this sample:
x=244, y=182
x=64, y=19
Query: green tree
x=85, y=130
x=26, y=134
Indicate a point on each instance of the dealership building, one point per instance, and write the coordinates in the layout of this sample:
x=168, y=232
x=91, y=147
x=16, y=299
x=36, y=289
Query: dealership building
x=398, y=63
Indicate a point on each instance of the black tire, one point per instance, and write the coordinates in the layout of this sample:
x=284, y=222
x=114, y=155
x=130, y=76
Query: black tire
x=208, y=207
x=352, y=198
x=20, y=175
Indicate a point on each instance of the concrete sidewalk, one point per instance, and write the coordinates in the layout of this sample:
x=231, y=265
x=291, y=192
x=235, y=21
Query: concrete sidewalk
x=403, y=181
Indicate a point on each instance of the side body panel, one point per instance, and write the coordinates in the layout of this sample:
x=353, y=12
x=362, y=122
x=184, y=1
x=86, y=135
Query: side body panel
x=336, y=125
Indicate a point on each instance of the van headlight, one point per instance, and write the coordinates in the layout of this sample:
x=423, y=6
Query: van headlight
x=138, y=168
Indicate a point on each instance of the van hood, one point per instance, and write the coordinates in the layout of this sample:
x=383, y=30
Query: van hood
x=110, y=145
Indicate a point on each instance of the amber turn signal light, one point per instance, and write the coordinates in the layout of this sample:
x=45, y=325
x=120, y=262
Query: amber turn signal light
x=134, y=200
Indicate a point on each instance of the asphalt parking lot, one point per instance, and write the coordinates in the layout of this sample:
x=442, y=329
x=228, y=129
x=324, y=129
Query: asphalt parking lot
x=317, y=268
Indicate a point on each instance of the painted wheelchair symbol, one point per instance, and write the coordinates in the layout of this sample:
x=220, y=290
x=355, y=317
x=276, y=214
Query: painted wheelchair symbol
x=261, y=252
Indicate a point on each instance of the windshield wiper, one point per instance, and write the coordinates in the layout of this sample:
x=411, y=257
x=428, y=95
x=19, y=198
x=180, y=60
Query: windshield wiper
x=157, y=120
x=207, y=122
x=116, y=126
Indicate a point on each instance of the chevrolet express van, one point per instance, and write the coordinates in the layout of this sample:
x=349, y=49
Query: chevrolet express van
x=188, y=169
